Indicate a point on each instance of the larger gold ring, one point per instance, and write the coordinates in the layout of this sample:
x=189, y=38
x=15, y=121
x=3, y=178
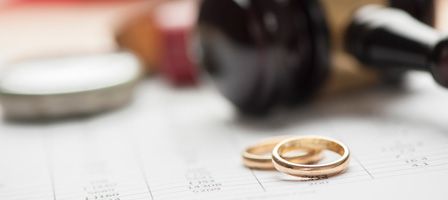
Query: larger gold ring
x=255, y=156
x=318, y=143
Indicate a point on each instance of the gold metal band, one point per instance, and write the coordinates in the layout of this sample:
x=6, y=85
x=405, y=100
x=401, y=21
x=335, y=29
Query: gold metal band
x=254, y=157
x=318, y=143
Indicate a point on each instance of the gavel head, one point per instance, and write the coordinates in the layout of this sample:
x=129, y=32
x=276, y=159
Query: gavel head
x=264, y=53
x=439, y=62
x=267, y=53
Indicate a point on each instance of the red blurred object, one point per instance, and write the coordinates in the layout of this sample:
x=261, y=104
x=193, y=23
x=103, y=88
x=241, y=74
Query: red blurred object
x=177, y=65
x=176, y=20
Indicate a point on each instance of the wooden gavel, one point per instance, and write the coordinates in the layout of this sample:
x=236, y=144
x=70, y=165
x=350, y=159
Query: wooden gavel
x=266, y=53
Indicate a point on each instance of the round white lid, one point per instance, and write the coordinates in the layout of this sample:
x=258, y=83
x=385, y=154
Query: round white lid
x=70, y=74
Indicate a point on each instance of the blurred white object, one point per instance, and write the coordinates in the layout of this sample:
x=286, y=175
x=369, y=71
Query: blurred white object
x=68, y=86
x=177, y=14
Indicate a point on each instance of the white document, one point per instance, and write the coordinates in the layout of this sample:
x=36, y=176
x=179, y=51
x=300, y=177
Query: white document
x=187, y=144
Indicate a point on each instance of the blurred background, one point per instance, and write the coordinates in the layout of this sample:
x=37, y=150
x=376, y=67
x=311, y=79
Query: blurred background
x=39, y=29
x=161, y=35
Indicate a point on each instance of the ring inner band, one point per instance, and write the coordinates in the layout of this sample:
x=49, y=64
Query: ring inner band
x=311, y=143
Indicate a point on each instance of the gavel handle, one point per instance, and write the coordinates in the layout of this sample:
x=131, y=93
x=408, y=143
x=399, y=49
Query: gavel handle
x=390, y=38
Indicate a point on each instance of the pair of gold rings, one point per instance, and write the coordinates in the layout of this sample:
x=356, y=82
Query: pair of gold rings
x=302, y=165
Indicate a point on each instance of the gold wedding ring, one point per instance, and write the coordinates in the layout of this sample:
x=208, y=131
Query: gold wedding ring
x=317, y=143
x=255, y=156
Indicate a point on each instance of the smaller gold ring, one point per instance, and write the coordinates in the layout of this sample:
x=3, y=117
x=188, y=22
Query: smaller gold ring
x=254, y=156
x=318, y=143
